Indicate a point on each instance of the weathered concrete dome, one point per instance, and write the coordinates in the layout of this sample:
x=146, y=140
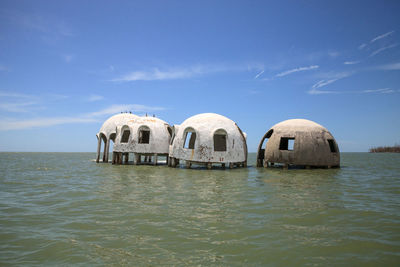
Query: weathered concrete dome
x=299, y=142
x=109, y=126
x=208, y=138
x=108, y=132
x=146, y=135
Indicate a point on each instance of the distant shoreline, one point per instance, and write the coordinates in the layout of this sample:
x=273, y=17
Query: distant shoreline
x=383, y=149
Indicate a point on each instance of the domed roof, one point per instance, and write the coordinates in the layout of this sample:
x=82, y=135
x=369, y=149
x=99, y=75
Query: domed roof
x=109, y=126
x=208, y=121
x=299, y=125
x=203, y=145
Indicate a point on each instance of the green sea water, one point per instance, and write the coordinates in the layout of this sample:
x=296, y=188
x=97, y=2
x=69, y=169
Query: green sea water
x=64, y=209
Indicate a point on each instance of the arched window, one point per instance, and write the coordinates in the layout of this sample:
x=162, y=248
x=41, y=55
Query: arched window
x=144, y=135
x=125, y=134
x=332, y=145
x=190, y=138
x=220, y=137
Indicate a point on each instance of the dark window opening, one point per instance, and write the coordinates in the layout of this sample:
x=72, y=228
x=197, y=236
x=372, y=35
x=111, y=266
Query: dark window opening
x=125, y=136
x=190, y=140
x=287, y=143
x=219, y=142
x=144, y=136
x=332, y=145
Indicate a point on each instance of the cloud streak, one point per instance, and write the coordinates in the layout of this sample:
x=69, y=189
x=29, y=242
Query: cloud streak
x=381, y=36
x=157, y=74
x=382, y=49
x=322, y=83
x=351, y=62
x=282, y=74
x=17, y=124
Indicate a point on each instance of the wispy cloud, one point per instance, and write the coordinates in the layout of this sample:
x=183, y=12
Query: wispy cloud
x=351, y=62
x=97, y=116
x=183, y=72
x=94, y=98
x=17, y=102
x=125, y=107
x=382, y=49
x=12, y=124
x=322, y=83
x=382, y=91
x=297, y=70
x=392, y=66
x=17, y=107
x=50, y=28
x=259, y=74
x=381, y=36
x=362, y=46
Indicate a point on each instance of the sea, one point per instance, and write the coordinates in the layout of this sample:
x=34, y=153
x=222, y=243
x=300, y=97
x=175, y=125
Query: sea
x=64, y=209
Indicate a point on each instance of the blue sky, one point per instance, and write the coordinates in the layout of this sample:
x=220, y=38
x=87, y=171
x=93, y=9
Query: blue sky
x=66, y=66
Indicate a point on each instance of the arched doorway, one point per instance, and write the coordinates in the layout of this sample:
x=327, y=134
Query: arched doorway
x=261, y=148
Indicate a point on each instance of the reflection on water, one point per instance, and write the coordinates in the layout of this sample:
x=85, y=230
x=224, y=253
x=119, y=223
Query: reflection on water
x=62, y=208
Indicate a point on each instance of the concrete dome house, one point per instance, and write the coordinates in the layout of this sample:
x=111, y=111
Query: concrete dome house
x=208, y=138
x=142, y=136
x=108, y=131
x=298, y=142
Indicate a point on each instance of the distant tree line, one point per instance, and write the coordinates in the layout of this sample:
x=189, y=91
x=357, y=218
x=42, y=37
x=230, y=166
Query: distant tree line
x=379, y=149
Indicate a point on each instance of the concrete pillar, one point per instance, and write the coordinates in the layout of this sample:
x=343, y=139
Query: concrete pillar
x=98, y=149
x=155, y=159
x=245, y=164
x=113, y=158
x=188, y=164
x=106, y=151
x=209, y=165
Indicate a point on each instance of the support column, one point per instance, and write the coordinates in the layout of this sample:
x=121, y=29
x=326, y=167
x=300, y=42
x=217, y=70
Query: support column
x=135, y=160
x=106, y=150
x=113, y=158
x=155, y=159
x=98, y=149
x=188, y=164
x=209, y=165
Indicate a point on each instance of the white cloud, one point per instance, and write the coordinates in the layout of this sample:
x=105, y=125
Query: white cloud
x=393, y=66
x=296, y=70
x=381, y=36
x=17, y=124
x=314, y=89
x=12, y=124
x=125, y=107
x=351, y=62
x=17, y=102
x=17, y=107
x=362, y=46
x=382, y=91
x=259, y=74
x=382, y=49
x=94, y=98
x=184, y=73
